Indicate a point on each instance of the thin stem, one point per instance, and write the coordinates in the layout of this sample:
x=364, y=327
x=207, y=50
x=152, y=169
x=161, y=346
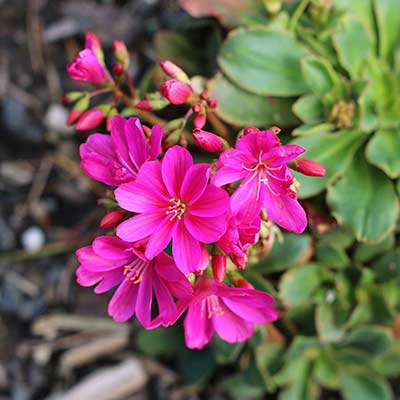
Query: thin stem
x=297, y=14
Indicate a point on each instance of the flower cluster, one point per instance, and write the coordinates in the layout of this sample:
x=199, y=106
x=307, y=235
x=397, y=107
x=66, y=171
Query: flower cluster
x=183, y=230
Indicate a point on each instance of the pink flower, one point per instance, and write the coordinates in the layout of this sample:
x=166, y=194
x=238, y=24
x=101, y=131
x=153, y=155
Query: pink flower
x=259, y=160
x=232, y=312
x=176, y=92
x=117, y=158
x=111, y=262
x=308, y=167
x=86, y=67
x=208, y=141
x=174, y=200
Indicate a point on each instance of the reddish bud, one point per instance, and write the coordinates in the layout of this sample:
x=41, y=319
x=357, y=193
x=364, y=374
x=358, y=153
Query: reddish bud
x=176, y=92
x=239, y=261
x=218, y=263
x=213, y=103
x=199, y=121
x=242, y=283
x=309, y=167
x=90, y=120
x=174, y=71
x=121, y=54
x=204, y=95
x=92, y=42
x=118, y=69
x=208, y=141
x=112, y=219
x=196, y=108
x=250, y=129
x=276, y=130
x=144, y=105
x=73, y=116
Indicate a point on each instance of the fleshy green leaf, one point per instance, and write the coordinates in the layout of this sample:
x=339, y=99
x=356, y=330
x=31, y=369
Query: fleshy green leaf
x=365, y=387
x=264, y=62
x=242, y=108
x=388, y=267
x=298, y=284
x=354, y=46
x=318, y=74
x=333, y=151
x=371, y=339
x=388, y=20
x=309, y=109
x=366, y=251
x=327, y=324
x=383, y=150
x=364, y=201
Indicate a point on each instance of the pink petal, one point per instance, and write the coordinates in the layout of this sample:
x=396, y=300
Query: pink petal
x=154, y=145
x=282, y=154
x=285, y=211
x=140, y=226
x=93, y=262
x=160, y=237
x=87, y=278
x=227, y=175
x=145, y=298
x=150, y=171
x=100, y=144
x=230, y=327
x=100, y=169
x=123, y=304
x=206, y=230
x=198, y=327
x=194, y=183
x=119, y=139
x=136, y=142
x=214, y=201
x=246, y=201
x=175, y=163
x=165, y=301
x=185, y=249
x=112, y=248
x=137, y=197
x=110, y=280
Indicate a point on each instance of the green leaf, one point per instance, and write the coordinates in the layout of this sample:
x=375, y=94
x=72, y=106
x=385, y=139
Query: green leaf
x=388, y=363
x=298, y=284
x=354, y=46
x=383, y=150
x=333, y=151
x=365, y=387
x=364, y=201
x=326, y=371
x=308, y=130
x=285, y=253
x=160, y=341
x=388, y=21
x=309, y=109
x=367, y=251
x=202, y=365
x=331, y=256
x=373, y=340
x=387, y=268
x=264, y=62
x=226, y=352
x=327, y=325
x=238, y=389
x=338, y=236
x=239, y=107
x=318, y=74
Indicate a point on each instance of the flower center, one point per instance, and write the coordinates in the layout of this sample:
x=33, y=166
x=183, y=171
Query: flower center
x=176, y=209
x=213, y=307
x=134, y=270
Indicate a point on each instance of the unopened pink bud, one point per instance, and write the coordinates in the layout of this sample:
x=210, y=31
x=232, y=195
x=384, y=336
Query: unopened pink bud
x=121, y=54
x=174, y=71
x=199, y=121
x=239, y=261
x=309, y=167
x=87, y=67
x=73, y=116
x=118, y=69
x=144, y=105
x=112, y=219
x=242, y=283
x=208, y=141
x=218, y=263
x=196, y=108
x=204, y=95
x=250, y=129
x=92, y=41
x=90, y=120
x=176, y=92
x=212, y=103
x=276, y=130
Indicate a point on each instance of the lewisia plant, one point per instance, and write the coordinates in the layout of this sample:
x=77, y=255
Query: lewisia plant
x=179, y=233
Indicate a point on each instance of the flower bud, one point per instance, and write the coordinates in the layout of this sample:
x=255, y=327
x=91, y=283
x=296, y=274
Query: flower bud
x=250, y=129
x=92, y=42
x=86, y=67
x=218, y=262
x=70, y=97
x=144, y=105
x=212, y=103
x=307, y=167
x=90, y=120
x=174, y=71
x=204, y=95
x=199, y=121
x=242, y=283
x=73, y=116
x=112, y=219
x=121, y=54
x=208, y=141
x=118, y=69
x=176, y=92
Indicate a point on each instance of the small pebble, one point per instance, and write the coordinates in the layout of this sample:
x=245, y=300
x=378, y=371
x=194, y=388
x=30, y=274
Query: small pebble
x=33, y=239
